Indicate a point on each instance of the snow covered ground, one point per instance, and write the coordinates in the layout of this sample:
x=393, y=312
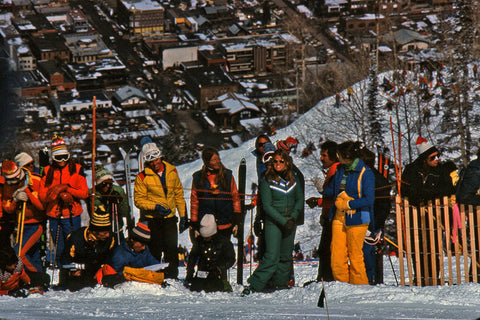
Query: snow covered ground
x=344, y=301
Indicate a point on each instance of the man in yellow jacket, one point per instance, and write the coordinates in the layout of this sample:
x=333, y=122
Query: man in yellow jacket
x=158, y=194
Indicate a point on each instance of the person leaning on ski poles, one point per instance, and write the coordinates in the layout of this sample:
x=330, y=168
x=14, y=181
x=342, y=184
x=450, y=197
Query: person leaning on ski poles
x=61, y=189
x=113, y=199
x=158, y=193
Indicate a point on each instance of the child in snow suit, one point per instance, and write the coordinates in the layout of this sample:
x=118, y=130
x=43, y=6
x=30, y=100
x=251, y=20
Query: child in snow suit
x=213, y=255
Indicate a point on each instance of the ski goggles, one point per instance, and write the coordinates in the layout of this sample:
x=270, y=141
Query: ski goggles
x=61, y=157
x=150, y=156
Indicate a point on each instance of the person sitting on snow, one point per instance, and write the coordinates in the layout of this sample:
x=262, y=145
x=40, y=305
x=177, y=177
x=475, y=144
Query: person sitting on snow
x=133, y=253
x=12, y=273
x=86, y=250
x=213, y=254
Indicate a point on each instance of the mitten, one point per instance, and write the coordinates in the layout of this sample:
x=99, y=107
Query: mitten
x=312, y=202
x=289, y=226
x=183, y=224
x=319, y=181
x=54, y=191
x=342, y=201
x=66, y=198
x=162, y=211
x=20, y=195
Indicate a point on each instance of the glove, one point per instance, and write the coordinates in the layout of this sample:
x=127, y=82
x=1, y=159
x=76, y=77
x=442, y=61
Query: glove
x=312, y=202
x=235, y=230
x=257, y=227
x=372, y=238
x=54, y=191
x=19, y=293
x=342, y=201
x=183, y=224
x=289, y=226
x=162, y=211
x=66, y=198
x=20, y=195
x=112, y=280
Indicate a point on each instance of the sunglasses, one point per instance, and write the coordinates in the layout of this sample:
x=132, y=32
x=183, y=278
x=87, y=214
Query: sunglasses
x=105, y=184
x=61, y=157
x=433, y=158
x=278, y=161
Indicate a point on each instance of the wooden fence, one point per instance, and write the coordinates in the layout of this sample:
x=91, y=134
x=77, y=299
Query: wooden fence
x=439, y=242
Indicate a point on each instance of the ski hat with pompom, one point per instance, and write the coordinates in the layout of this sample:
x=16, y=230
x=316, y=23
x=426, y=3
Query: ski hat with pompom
x=424, y=147
x=58, y=146
x=23, y=159
x=11, y=171
x=151, y=152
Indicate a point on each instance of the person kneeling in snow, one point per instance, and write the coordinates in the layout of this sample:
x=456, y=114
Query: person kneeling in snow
x=85, y=252
x=213, y=255
x=12, y=273
x=128, y=261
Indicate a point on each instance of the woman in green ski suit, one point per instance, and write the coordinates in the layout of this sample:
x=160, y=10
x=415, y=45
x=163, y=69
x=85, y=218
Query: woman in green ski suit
x=282, y=199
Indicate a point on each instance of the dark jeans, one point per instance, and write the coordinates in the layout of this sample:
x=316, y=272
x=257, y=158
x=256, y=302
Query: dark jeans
x=164, y=242
x=324, y=254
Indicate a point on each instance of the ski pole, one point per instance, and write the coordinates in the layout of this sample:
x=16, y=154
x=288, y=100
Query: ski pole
x=323, y=299
x=391, y=264
x=21, y=221
x=115, y=214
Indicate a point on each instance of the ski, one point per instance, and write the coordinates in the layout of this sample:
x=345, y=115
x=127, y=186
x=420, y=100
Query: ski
x=128, y=186
x=242, y=177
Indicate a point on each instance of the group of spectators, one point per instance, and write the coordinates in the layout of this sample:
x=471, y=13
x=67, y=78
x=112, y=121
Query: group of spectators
x=354, y=199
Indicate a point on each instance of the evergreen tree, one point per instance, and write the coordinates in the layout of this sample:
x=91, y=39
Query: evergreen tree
x=375, y=132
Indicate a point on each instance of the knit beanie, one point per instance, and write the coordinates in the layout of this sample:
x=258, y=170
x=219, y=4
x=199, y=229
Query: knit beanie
x=58, y=146
x=22, y=159
x=424, y=147
x=151, y=152
x=141, y=232
x=269, y=150
x=11, y=171
x=208, y=226
x=287, y=144
x=102, y=174
x=100, y=220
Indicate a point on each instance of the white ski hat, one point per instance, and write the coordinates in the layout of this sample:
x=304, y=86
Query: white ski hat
x=208, y=226
x=151, y=152
x=22, y=159
x=424, y=147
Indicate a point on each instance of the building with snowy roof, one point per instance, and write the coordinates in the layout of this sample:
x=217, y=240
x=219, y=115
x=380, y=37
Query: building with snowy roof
x=80, y=100
x=143, y=18
x=86, y=48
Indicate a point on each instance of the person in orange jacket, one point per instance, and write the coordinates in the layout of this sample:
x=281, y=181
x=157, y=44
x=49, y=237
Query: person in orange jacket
x=328, y=157
x=25, y=204
x=61, y=189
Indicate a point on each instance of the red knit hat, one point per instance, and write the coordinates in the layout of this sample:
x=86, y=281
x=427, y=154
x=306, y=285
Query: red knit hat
x=11, y=171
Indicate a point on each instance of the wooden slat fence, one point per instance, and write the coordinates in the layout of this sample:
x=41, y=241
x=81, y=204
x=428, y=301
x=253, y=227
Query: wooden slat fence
x=438, y=243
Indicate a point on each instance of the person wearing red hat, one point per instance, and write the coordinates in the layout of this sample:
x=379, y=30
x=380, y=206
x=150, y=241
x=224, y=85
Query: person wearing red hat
x=423, y=180
x=61, y=189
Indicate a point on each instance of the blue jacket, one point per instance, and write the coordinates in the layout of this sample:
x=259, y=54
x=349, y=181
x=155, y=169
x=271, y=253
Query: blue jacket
x=361, y=187
x=469, y=185
x=123, y=257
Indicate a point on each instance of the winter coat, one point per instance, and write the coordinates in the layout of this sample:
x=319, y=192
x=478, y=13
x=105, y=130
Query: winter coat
x=222, y=203
x=116, y=194
x=261, y=167
x=327, y=202
x=149, y=192
x=12, y=281
x=468, y=188
x=77, y=187
x=281, y=200
x=213, y=258
x=420, y=187
x=360, y=186
x=34, y=211
x=82, y=247
x=123, y=256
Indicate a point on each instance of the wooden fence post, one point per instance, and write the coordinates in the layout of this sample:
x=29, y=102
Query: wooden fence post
x=398, y=203
x=438, y=211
